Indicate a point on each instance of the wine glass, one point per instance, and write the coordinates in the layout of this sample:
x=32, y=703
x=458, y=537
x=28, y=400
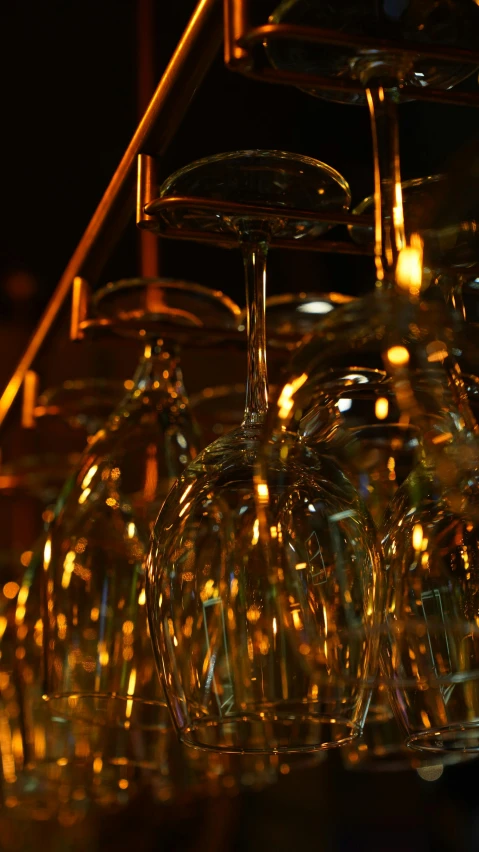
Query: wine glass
x=357, y=418
x=260, y=621
x=381, y=748
x=100, y=667
x=448, y=230
x=40, y=777
x=289, y=317
x=398, y=251
x=452, y=24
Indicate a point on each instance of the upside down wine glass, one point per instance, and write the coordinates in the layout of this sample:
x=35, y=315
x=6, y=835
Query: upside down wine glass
x=38, y=778
x=100, y=666
x=430, y=651
x=262, y=648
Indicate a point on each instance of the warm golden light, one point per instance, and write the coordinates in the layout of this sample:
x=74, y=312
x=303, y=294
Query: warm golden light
x=381, y=408
x=47, y=554
x=409, y=267
x=285, y=401
x=10, y=590
x=262, y=491
x=436, y=351
x=398, y=355
x=23, y=595
x=84, y=496
x=417, y=537
x=89, y=476
x=132, y=682
x=186, y=492
x=255, y=537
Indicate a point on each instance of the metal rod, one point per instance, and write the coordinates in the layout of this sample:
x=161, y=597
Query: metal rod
x=310, y=81
x=146, y=189
x=145, y=51
x=234, y=208
x=315, y=35
x=189, y=64
x=235, y=25
x=30, y=394
x=231, y=242
x=80, y=304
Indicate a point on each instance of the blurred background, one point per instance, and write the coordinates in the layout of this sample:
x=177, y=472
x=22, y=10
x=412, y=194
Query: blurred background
x=70, y=104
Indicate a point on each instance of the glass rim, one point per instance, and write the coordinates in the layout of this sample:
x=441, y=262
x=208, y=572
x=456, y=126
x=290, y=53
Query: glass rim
x=172, y=284
x=260, y=153
x=412, y=183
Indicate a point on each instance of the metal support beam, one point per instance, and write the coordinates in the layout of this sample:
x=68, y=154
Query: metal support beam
x=190, y=62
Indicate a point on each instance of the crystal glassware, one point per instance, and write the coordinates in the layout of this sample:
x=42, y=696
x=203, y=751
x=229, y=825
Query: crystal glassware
x=289, y=317
x=448, y=231
x=429, y=656
x=382, y=748
x=100, y=667
x=453, y=24
x=260, y=619
x=39, y=779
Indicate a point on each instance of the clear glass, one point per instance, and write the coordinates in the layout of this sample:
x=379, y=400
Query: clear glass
x=431, y=548
x=382, y=747
x=289, y=317
x=100, y=667
x=260, y=616
x=447, y=226
x=455, y=24
x=47, y=764
x=429, y=647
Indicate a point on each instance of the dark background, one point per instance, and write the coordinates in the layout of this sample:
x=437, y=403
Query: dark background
x=68, y=104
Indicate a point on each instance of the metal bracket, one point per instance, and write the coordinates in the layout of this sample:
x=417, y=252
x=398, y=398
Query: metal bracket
x=244, y=52
x=191, y=60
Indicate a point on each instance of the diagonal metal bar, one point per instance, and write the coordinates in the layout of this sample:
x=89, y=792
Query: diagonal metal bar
x=190, y=62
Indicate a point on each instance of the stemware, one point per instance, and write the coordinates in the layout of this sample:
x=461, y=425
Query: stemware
x=382, y=748
x=447, y=227
x=246, y=635
x=37, y=778
x=446, y=23
x=289, y=317
x=429, y=654
x=100, y=667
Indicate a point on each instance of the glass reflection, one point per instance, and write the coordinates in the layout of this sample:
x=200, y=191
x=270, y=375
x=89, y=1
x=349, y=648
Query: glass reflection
x=260, y=607
x=100, y=667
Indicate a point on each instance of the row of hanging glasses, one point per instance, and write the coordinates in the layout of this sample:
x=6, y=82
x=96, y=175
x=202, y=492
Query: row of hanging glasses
x=103, y=747
x=302, y=575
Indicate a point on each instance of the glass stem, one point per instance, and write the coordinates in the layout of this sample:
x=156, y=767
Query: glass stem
x=254, y=256
x=389, y=216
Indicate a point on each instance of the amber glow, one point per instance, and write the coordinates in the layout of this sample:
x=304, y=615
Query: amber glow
x=381, y=409
x=89, y=476
x=285, y=401
x=409, y=267
x=398, y=355
x=30, y=391
x=436, y=351
x=417, y=537
x=262, y=492
x=10, y=590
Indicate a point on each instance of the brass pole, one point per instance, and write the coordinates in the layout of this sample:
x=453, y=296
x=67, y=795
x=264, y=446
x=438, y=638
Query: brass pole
x=190, y=62
x=145, y=51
